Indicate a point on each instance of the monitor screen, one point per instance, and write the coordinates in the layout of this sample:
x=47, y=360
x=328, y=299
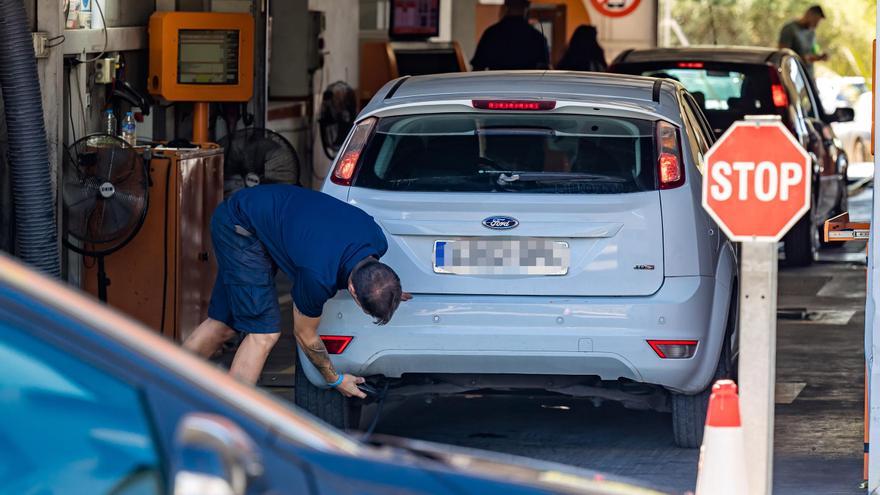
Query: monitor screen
x=414, y=19
x=207, y=56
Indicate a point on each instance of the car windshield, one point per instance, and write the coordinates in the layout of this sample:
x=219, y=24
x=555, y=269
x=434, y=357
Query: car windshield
x=510, y=152
x=727, y=92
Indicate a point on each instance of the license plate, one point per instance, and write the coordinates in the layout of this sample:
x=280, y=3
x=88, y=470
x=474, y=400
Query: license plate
x=527, y=256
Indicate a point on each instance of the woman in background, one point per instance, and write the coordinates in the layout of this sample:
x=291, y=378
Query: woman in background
x=584, y=52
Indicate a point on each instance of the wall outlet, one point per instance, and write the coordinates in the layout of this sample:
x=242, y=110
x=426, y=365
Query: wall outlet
x=41, y=39
x=104, y=69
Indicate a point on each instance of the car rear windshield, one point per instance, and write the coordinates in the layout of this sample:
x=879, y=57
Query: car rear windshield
x=510, y=152
x=727, y=92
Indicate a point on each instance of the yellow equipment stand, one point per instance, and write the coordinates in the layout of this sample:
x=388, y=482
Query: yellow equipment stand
x=840, y=229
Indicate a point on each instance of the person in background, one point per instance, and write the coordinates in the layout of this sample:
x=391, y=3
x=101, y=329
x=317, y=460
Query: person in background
x=800, y=36
x=512, y=43
x=584, y=53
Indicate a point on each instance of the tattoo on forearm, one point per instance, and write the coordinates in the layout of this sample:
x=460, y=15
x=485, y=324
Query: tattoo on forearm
x=319, y=357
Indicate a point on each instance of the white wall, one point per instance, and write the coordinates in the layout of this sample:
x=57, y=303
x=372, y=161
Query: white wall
x=340, y=62
x=636, y=30
x=464, y=27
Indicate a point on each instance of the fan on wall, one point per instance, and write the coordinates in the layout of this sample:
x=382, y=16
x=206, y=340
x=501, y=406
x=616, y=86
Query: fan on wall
x=104, y=197
x=254, y=156
x=338, y=111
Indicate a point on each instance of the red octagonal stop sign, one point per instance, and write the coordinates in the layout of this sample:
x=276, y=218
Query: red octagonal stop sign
x=757, y=181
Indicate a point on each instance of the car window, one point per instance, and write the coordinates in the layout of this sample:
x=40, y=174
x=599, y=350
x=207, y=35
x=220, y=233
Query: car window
x=795, y=88
x=801, y=88
x=510, y=152
x=698, y=143
x=65, y=423
x=725, y=92
x=704, y=125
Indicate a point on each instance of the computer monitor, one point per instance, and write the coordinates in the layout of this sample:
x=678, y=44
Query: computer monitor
x=201, y=56
x=414, y=19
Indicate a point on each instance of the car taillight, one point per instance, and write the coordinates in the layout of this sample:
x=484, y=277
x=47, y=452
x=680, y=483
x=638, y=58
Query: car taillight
x=674, y=349
x=780, y=98
x=777, y=90
x=514, y=104
x=669, y=167
x=336, y=344
x=690, y=65
x=346, y=163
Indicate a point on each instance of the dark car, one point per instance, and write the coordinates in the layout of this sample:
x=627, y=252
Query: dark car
x=90, y=402
x=732, y=82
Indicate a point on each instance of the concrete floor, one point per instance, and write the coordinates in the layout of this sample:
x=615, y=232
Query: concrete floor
x=818, y=439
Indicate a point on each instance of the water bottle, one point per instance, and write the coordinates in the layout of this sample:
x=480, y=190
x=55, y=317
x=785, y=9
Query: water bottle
x=129, y=133
x=110, y=123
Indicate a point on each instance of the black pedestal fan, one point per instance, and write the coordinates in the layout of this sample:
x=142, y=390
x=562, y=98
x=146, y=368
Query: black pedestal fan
x=104, y=193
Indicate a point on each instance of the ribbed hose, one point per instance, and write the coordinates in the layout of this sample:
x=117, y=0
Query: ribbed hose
x=35, y=229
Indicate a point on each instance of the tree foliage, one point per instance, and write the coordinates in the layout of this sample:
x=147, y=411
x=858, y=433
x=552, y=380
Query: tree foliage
x=845, y=34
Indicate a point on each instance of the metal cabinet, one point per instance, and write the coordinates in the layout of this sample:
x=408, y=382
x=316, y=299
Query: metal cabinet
x=164, y=276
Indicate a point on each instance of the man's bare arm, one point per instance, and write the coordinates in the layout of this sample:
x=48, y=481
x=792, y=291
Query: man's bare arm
x=305, y=329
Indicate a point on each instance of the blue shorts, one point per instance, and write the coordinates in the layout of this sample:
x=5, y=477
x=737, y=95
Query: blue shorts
x=244, y=295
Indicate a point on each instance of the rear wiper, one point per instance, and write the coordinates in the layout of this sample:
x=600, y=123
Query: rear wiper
x=556, y=177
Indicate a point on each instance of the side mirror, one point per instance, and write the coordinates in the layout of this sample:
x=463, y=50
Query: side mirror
x=843, y=114
x=213, y=456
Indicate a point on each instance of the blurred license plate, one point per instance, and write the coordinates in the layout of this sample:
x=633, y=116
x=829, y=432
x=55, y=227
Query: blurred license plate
x=502, y=257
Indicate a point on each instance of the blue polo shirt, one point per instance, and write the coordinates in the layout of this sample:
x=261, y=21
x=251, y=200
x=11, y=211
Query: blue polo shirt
x=314, y=238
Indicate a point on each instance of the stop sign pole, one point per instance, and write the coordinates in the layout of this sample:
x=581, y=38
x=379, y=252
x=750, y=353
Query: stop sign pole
x=756, y=187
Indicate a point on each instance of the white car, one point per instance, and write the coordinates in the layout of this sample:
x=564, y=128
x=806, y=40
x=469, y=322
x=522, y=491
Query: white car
x=856, y=137
x=549, y=226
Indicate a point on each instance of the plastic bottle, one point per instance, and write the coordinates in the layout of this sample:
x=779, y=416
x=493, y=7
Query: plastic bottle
x=129, y=129
x=110, y=123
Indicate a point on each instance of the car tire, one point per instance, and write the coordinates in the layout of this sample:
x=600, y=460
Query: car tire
x=326, y=404
x=689, y=411
x=800, y=242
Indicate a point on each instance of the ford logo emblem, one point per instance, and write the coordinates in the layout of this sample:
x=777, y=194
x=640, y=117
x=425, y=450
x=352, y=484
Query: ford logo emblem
x=500, y=223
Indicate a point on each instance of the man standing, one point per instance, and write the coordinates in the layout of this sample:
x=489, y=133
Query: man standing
x=800, y=36
x=512, y=43
x=322, y=244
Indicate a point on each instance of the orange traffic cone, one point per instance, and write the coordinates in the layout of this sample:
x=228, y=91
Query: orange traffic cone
x=722, y=468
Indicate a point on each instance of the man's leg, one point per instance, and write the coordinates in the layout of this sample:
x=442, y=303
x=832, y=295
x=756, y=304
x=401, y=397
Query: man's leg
x=251, y=356
x=208, y=337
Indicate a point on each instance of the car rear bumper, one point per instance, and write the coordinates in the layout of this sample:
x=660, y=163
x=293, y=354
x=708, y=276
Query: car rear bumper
x=601, y=336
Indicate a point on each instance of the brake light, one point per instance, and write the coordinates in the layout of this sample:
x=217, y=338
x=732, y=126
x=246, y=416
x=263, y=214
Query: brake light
x=690, y=65
x=669, y=167
x=347, y=161
x=514, y=104
x=336, y=344
x=780, y=98
x=674, y=349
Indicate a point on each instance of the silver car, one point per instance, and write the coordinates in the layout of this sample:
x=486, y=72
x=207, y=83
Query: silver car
x=550, y=229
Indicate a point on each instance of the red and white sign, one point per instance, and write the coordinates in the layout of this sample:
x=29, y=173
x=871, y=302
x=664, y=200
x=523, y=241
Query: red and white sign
x=615, y=8
x=757, y=181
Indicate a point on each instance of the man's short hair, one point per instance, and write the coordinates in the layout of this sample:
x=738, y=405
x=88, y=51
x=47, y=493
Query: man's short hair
x=816, y=10
x=517, y=3
x=377, y=289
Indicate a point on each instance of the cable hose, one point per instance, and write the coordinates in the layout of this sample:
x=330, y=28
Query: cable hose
x=36, y=237
x=381, y=402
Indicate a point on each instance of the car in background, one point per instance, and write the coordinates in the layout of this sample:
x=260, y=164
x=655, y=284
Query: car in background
x=549, y=227
x=91, y=402
x=840, y=91
x=856, y=135
x=732, y=82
